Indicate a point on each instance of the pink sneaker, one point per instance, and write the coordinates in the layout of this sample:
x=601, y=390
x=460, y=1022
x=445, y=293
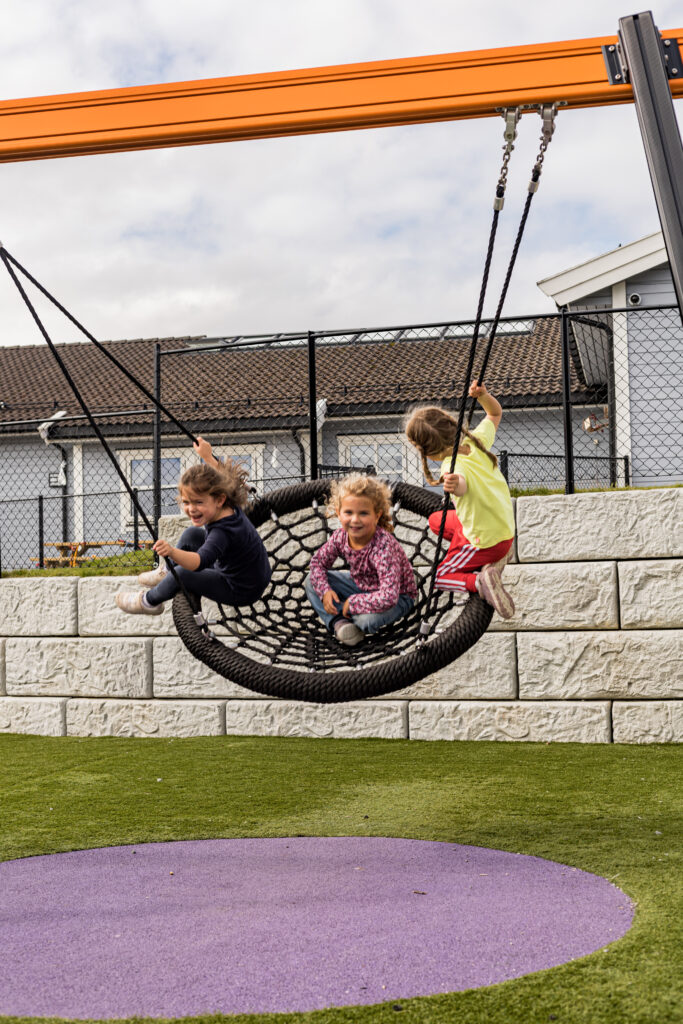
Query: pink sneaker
x=347, y=632
x=490, y=586
x=131, y=601
x=154, y=576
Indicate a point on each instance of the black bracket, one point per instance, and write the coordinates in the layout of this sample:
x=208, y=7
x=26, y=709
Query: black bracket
x=617, y=69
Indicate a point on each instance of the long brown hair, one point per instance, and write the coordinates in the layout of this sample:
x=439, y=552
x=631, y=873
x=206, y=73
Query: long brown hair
x=432, y=431
x=361, y=486
x=230, y=480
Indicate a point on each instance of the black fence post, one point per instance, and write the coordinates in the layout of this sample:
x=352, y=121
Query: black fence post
x=567, y=407
x=156, y=441
x=503, y=465
x=136, y=522
x=312, y=404
x=41, y=533
x=627, y=471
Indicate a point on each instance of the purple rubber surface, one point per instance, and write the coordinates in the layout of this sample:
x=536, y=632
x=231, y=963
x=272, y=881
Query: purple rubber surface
x=258, y=925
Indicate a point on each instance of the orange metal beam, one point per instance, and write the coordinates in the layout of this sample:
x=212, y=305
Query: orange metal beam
x=369, y=95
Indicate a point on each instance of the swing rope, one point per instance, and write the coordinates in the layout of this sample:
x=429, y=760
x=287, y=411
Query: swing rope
x=548, y=112
x=10, y=263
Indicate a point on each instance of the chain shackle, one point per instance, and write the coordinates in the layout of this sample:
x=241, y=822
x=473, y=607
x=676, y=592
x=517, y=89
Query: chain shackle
x=512, y=116
x=548, y=112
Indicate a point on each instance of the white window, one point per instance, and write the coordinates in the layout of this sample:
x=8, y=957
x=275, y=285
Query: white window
x=390, y=455
x=138, y=465
x=248, y=455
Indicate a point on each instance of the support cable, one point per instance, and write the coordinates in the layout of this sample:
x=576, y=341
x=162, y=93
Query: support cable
x=4, y=255
x=7, y=256
x=548, y=112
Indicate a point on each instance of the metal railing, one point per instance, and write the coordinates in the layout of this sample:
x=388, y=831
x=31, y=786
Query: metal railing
x=591, y=399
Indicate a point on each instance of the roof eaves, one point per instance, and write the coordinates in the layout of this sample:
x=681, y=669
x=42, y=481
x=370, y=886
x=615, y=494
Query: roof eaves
x=603, y=271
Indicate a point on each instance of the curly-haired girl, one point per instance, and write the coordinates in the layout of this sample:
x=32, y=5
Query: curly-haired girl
x=379, y=586
x=220, y=556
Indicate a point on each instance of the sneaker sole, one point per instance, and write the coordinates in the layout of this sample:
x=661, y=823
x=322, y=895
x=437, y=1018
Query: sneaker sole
x=495, y=593
x=349, y=635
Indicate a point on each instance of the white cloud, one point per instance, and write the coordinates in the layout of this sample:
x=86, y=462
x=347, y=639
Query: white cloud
x=355, y=228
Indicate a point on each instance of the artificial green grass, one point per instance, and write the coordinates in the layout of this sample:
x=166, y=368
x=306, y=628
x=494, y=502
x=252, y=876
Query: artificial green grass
x=129, y=564
x=613, y=810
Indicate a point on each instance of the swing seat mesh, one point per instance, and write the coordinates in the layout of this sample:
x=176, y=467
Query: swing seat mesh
x=279, y=647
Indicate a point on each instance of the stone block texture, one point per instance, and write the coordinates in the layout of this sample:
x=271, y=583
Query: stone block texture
x=556, y=722
x=145, y=718
x=79, y=667
x=99, y=615
x=488, y=671
x=651, y=594
x=652, y=721
x=591, y=527
x=618, y=663
x=561, y=595
x=37, y=716
x=39, y=607
x=178, y=674
x=594, y=652
x=385, y=719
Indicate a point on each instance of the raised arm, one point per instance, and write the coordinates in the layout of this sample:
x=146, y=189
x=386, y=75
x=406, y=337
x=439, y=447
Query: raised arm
x=489, y=404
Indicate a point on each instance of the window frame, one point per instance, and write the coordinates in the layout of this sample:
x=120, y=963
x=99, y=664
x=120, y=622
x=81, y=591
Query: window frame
x=411, y=466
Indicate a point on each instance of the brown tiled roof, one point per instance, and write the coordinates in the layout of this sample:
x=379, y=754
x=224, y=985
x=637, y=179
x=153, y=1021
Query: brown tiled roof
x=268, y=385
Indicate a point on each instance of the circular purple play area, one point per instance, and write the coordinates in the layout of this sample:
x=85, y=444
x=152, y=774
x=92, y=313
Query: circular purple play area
x=264, y=925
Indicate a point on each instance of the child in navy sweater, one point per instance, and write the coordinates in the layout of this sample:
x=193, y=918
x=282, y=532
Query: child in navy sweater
x=220, y=556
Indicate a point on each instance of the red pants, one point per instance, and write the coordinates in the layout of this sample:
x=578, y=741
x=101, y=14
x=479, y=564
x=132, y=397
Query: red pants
x=458, y=570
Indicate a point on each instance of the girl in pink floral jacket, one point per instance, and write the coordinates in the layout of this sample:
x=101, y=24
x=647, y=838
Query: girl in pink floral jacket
x=379, y=586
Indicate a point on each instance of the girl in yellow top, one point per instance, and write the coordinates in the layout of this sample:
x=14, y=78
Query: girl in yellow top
x=482, y=527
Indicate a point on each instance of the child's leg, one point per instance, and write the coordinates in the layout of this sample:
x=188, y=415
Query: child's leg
x=453, y=527
x=371, y=622
x=340, y=581
x=203, y=582
x=458, y=570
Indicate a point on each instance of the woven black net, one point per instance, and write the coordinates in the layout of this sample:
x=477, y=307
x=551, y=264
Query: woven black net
x=280, y=647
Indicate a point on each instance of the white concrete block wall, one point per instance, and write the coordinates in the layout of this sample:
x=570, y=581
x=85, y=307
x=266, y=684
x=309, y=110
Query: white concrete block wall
x=594, y=653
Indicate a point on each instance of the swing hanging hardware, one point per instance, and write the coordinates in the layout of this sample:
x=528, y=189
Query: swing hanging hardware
x=511, y=116
x=548, y=112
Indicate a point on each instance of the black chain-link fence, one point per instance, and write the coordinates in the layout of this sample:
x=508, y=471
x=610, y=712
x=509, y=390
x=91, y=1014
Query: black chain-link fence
x=591, y=400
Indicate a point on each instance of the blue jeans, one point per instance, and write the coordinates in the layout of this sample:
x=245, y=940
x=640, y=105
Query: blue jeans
x=344, y=586
x=204, y=582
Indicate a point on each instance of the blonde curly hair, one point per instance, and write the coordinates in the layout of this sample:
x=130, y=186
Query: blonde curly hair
x=361, y=486
x=229, y=480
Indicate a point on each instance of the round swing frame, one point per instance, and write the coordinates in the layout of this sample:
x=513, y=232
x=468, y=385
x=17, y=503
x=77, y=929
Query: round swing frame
x=425, y=655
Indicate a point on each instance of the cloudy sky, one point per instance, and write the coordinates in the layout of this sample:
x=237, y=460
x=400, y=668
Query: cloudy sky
x=324, y=231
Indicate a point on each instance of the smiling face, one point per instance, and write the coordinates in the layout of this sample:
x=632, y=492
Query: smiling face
x=359, y=519
x=202, y=508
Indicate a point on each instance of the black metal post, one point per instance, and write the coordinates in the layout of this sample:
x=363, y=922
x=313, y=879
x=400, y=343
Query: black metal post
x=41, y=533
x=156, y=441
x=312, y=402
x=627, y=471
x=643, y=51
x=611, y=413
x=503, y=465
x=136, y=523
x=566, y=407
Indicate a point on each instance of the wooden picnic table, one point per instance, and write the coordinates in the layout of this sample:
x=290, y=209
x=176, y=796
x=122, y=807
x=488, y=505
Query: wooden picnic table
x=71, y=552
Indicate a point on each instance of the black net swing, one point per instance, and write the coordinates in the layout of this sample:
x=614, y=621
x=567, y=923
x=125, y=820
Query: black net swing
x=278, y=647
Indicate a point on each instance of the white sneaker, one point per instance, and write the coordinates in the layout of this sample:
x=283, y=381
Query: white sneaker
x=154, y=576
x=131, y=601
x=347, y=632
